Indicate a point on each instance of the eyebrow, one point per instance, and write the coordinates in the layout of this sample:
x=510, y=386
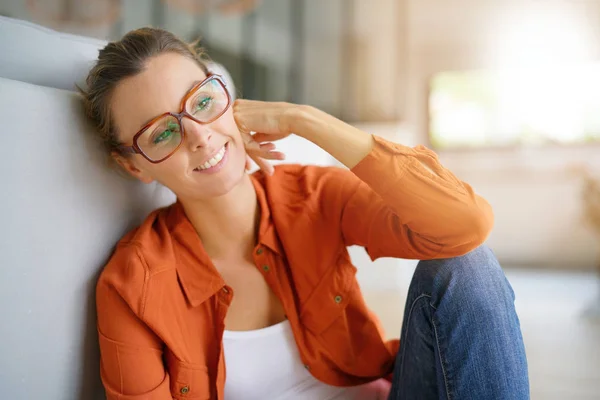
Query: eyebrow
x=178, y=110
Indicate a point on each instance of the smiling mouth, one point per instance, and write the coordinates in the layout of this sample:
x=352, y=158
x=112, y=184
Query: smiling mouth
x=215, y=160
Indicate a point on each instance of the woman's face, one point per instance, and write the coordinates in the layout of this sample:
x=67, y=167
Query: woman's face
x=160, y=88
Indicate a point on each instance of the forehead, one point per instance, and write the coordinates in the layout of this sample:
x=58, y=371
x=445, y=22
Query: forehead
x=159, y=88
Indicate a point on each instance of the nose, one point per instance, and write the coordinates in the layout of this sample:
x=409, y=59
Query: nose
x=197, y=135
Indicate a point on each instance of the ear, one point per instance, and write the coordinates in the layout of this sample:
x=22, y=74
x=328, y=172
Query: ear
x=128, y=165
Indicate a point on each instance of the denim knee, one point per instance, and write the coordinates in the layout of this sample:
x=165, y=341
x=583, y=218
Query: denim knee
x=475, y=277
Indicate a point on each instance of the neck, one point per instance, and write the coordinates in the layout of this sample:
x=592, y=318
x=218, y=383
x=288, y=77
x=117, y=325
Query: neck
x=228, y=224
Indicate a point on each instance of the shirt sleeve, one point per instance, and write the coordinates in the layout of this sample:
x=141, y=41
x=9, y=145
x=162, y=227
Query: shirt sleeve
x=131, y=366
x=405, y=204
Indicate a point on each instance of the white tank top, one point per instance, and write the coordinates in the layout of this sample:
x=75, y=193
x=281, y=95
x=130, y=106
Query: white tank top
x=264, y=364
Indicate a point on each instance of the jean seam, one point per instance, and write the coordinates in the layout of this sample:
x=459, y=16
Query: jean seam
x=408, y=319
x=437, y=343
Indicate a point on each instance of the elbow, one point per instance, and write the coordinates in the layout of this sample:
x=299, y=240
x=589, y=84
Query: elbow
x=478, y=226
x=482, y=223
x=473, y=230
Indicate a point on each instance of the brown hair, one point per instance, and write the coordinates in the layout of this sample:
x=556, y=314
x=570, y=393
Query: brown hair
x=122, y=59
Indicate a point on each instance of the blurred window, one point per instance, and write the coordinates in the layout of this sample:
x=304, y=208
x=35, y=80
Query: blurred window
x=549, y=105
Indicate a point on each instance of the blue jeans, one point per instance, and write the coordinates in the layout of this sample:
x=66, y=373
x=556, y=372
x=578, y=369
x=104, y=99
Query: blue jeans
x=461, y=337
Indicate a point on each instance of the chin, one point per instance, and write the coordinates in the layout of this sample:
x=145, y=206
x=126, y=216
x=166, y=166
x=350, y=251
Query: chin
x=220, y=184
x=225, y=185
x=217, y=180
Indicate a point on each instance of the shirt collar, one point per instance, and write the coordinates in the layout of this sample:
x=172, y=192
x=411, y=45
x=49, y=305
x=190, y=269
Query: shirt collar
x=267, y=234
x=198, y=277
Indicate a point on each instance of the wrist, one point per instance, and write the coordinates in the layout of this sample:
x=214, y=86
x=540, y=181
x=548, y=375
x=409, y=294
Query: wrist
x=304, y=121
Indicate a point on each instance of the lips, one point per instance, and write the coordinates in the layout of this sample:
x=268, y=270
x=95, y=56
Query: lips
x=214, y=160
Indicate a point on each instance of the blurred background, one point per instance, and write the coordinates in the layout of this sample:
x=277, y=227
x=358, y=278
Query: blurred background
x=507, y=92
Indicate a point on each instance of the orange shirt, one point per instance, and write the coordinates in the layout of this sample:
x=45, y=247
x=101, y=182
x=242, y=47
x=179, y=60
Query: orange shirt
x=162, y=304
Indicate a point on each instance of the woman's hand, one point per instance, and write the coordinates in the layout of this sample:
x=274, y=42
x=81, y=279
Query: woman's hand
x=270, y=121
x=260, y=153
x=274, y=121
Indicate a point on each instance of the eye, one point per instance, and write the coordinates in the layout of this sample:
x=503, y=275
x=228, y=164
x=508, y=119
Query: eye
x=204, y=103
x=165, y=135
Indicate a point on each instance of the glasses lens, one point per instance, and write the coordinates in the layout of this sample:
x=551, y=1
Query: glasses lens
x=208, y=102
x=161, y=138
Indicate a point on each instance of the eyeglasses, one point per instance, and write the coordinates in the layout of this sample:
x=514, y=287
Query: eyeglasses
x=163, y=135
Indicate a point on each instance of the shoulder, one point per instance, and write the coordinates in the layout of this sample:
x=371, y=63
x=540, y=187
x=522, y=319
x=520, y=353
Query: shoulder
x=308, y=191
x=310, y=180
x=139, y=255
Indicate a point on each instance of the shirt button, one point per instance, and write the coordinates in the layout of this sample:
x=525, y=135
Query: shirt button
x=307, y=367
x=184, y=390
x=225, y=290
x=266, y=268
x=259, y=251
x=338, y=299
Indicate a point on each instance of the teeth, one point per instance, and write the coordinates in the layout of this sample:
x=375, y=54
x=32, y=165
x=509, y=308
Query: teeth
x=213, y=161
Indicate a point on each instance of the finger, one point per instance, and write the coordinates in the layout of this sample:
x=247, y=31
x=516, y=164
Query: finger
x=267, y=146
x=260, y=137
x=249, y=142
x=241, y=122
x=264, y=150
x=264, y=165
x=270, y=155
x=257, y=116
x=277, y=155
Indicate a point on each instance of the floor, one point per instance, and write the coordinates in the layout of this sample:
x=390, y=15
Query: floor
x=562, y=336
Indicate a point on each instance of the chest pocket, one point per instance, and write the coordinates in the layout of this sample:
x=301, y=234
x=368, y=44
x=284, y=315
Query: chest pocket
x=330, y=297
x=189, y=381
x=342, y=326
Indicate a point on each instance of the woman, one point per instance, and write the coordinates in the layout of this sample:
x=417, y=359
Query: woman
x=243, y=289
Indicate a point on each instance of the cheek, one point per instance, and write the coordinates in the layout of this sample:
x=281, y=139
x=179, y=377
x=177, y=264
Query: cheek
x=169, y=169
x=227, y=124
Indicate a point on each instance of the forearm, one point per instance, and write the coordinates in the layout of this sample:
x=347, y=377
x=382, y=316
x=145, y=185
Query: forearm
x=344, y=142
x=418, y=207
x=425, y=196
